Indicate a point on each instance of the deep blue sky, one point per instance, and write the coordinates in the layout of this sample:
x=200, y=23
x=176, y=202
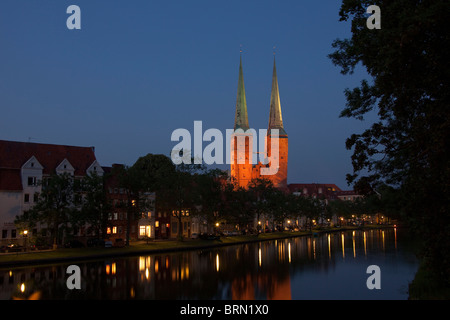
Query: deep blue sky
x=137, y=70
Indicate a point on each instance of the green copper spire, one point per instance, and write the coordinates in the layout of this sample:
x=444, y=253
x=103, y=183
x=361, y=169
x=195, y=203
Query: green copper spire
x=241, y=118
x=275, y=117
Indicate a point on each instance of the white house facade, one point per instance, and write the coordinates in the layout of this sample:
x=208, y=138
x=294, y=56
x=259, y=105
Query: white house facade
x=23, y=165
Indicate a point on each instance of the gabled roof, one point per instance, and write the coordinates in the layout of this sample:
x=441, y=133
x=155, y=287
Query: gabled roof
x=13, y=155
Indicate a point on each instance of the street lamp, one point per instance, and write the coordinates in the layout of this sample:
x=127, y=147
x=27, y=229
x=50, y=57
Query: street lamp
x=25, y=236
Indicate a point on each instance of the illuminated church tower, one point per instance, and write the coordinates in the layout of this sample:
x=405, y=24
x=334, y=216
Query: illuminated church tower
x=242, y=169
x=241, y=140
x=279, y=180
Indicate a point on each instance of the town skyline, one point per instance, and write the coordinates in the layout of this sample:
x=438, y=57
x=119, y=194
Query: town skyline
x=135, y=73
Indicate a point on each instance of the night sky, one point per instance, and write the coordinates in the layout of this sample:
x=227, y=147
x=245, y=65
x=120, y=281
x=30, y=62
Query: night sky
x=137, y=70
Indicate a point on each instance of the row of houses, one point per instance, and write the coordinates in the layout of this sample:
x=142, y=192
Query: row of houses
x=24, y=164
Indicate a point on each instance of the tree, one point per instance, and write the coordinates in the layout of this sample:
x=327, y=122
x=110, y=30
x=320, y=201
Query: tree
x=56, y=205
x=95, y=205
x=408, y=146
x=209, y=191
x=260, y=192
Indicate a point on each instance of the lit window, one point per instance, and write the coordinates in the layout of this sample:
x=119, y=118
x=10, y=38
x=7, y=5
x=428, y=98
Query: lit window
x=108, y=230
x=142, y=230
x=114, y=230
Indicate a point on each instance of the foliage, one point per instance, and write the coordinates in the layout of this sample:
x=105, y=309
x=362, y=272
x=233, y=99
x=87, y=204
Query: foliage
x=408, y=146
x=56, y=205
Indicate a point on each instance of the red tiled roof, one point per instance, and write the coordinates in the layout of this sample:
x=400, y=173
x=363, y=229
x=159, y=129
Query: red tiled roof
x=13, y=155
x=10, y=180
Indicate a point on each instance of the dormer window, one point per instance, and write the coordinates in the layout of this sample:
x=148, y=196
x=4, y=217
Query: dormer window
x=65, y=166
x=32, y=164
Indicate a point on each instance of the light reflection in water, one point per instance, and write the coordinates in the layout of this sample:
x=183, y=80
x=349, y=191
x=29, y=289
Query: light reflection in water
x=329, y=246
x=365, y=244
x=234, y=272
x=259, y=256
x=217, y=262
x=354, y=247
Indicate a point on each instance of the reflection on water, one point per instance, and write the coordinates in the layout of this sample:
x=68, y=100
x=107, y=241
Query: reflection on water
x=325, y=266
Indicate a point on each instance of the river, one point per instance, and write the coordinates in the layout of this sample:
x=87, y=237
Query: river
x=325, y=266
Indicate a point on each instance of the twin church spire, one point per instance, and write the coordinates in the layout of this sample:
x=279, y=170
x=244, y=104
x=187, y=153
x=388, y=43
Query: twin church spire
x=275, y=115
x=242, y=168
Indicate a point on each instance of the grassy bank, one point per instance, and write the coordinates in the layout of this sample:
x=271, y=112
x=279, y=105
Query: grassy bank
x=142, y=247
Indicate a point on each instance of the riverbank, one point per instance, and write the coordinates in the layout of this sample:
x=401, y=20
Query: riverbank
x=155, y=246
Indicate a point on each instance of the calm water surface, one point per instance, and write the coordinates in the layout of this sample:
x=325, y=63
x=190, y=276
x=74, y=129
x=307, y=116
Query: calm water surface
x=329, y=266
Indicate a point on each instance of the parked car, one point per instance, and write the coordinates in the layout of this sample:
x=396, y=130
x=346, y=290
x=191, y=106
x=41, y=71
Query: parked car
x=12, y=247
x=194, y=235
x=108, y=244
x=209, y=236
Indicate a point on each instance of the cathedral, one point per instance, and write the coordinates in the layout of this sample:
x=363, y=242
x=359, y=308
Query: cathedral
x=243, y=170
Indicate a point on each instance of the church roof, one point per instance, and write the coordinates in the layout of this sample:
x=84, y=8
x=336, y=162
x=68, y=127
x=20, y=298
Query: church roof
x=275, y=116
x=241, y=117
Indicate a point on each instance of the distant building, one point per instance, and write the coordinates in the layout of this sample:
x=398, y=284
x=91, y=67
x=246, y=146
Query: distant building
x=242, y=169
x=326, y=191
x=348, y=195
x=23, y=165
x=142, y=226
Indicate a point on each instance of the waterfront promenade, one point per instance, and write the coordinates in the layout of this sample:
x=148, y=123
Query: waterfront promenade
x=153, y=246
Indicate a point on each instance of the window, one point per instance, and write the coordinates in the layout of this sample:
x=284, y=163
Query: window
x=114, y=230
x=26, y=198
x=32, y=181
x=35, y=197
x=115, y=215
x=142, y=231
x=13, y=233
x=4, y=234
x=108, y=230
